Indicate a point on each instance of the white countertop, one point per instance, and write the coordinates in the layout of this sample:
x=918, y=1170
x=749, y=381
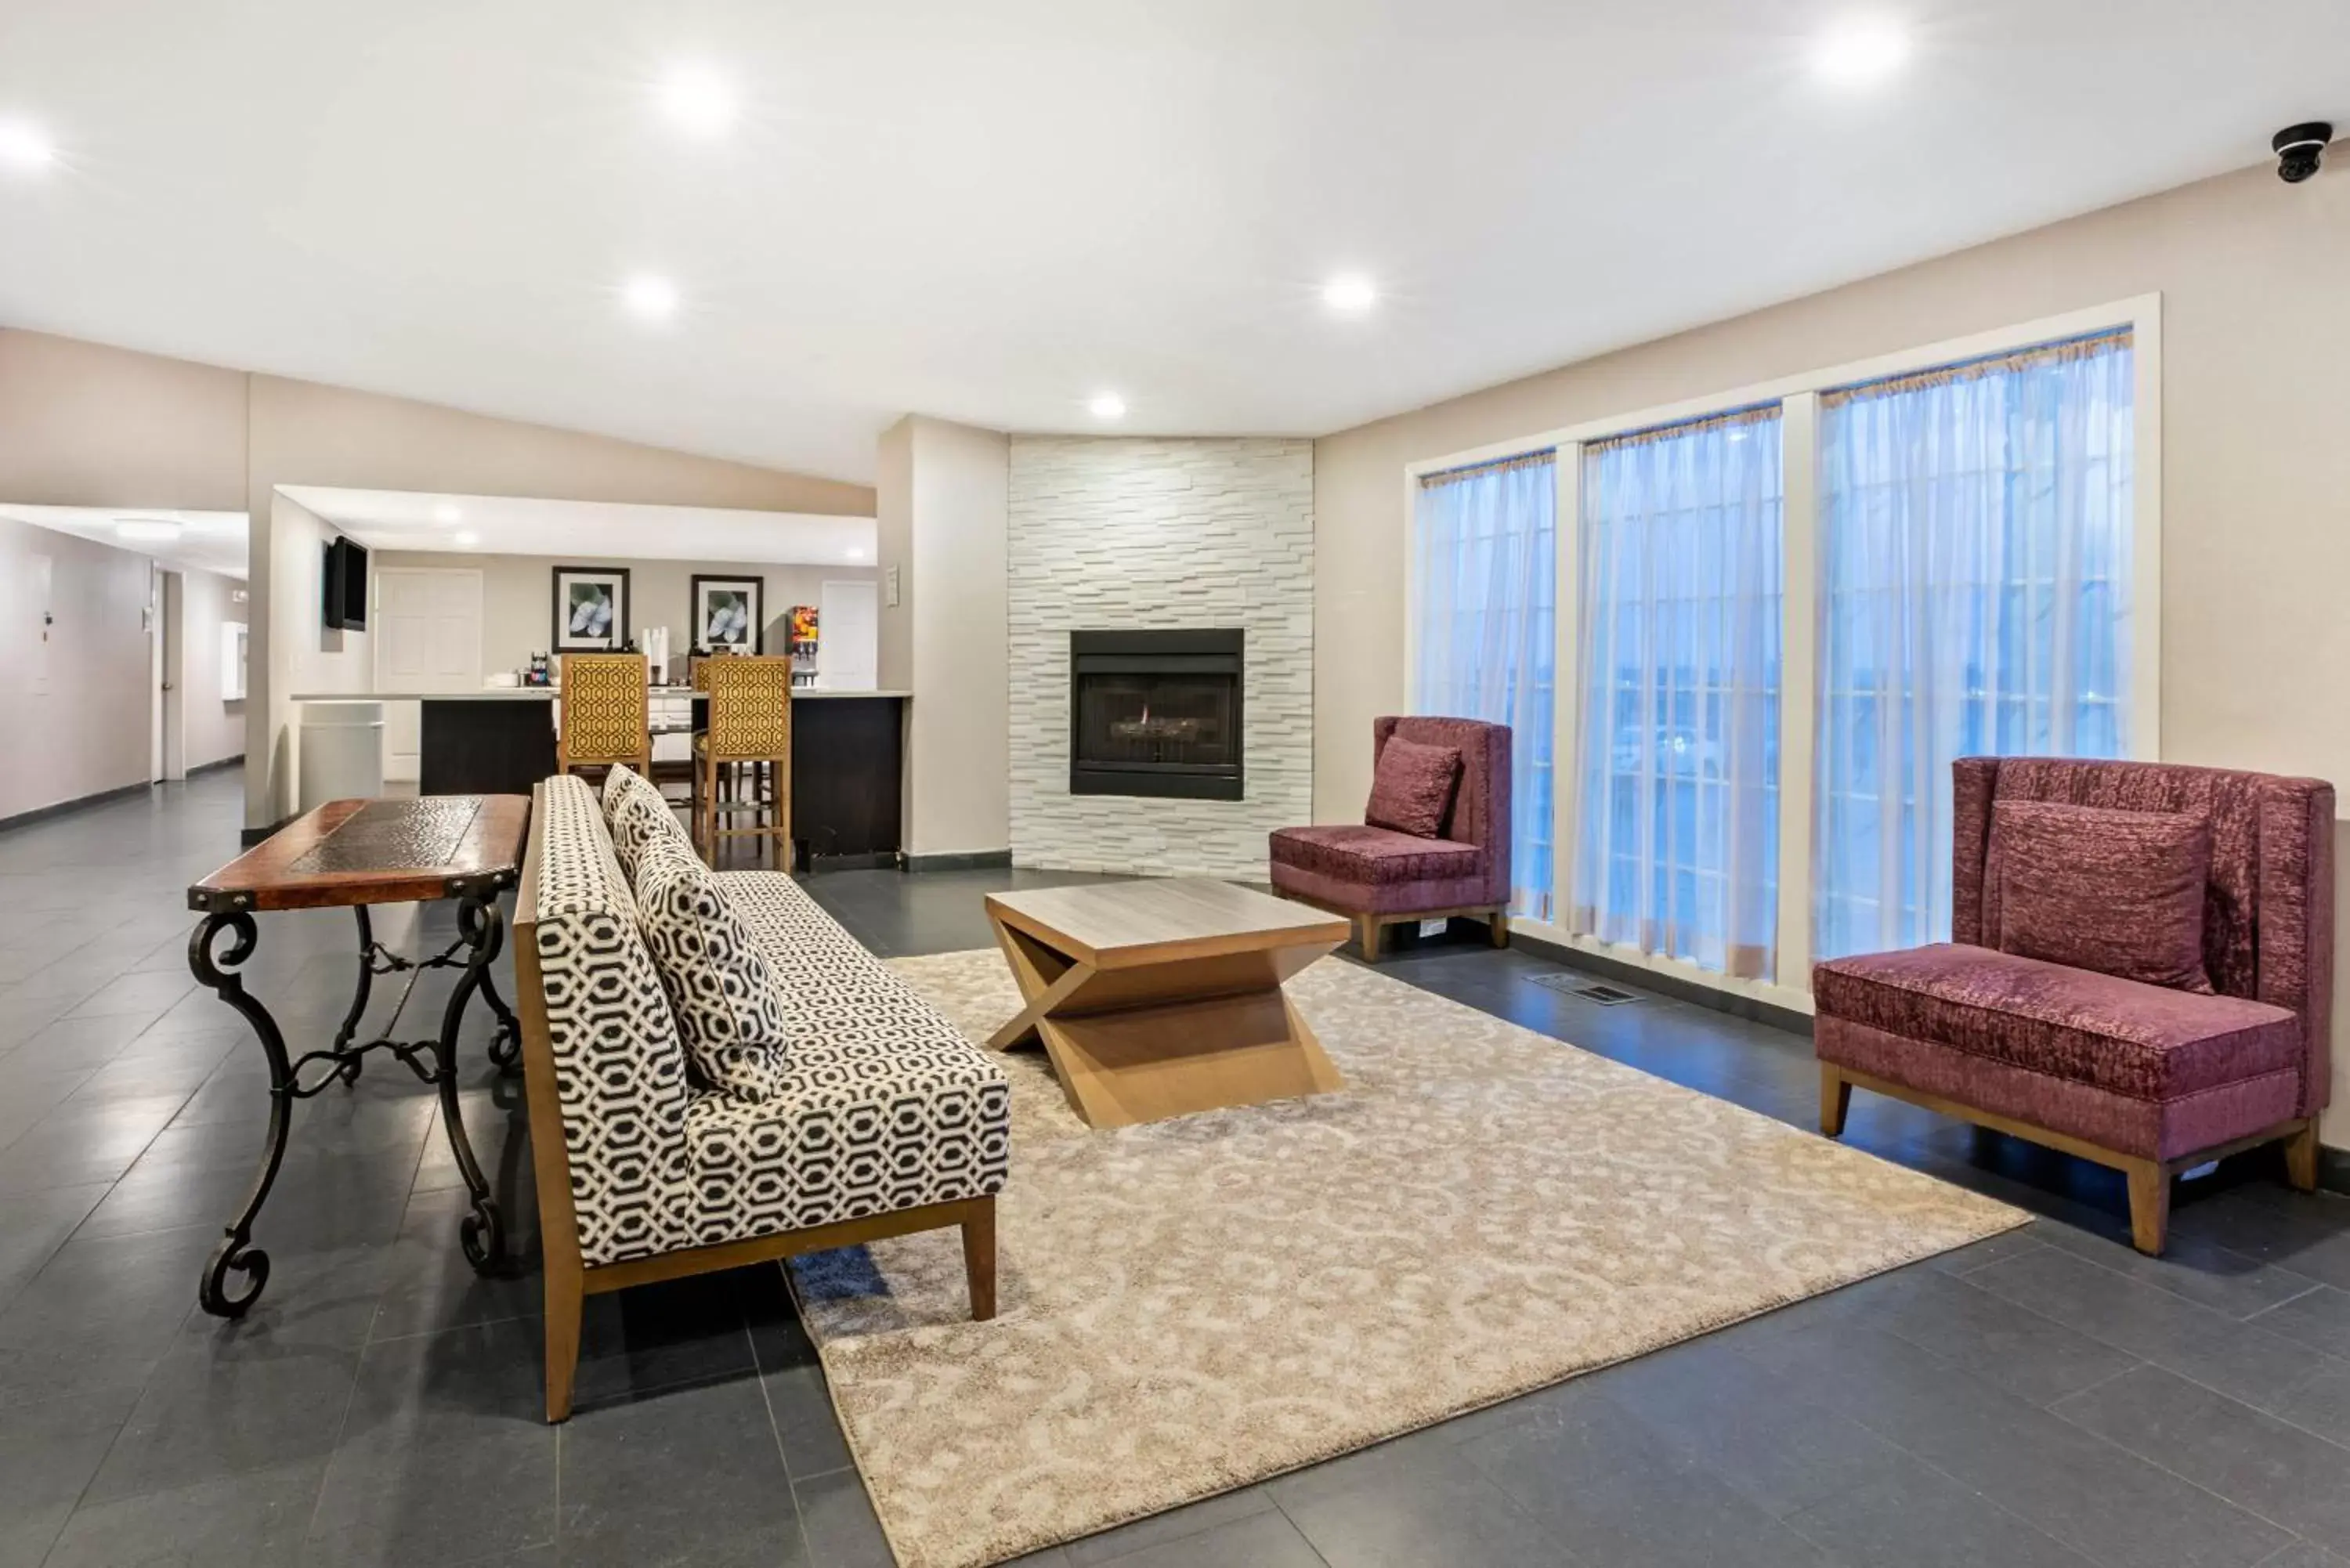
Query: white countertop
x=543, y=693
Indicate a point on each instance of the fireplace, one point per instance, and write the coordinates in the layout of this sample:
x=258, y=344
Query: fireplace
x=1156, y=713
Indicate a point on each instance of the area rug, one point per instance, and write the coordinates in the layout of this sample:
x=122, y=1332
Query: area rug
x=1194, y=1306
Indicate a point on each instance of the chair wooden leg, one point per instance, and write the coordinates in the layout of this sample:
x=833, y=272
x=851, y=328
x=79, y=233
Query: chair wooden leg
x=2149, y=1202
x=2301, y=1158
x=566, y=1293
x=979, y=1259
x=1497, y=928
x=1835, y=1099
x=1366, y=937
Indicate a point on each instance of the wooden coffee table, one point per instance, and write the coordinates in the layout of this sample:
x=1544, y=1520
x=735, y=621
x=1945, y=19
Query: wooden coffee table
x=1160, y=998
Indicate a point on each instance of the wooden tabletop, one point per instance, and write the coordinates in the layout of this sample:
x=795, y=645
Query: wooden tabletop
x=1116, y=925
x=392, y=851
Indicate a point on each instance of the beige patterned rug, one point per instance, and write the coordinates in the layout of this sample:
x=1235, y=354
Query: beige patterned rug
x=1197, y=1304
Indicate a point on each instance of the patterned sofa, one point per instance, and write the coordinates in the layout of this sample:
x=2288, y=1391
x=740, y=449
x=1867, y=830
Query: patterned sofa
x=887, y=1120
x=2150, y=1078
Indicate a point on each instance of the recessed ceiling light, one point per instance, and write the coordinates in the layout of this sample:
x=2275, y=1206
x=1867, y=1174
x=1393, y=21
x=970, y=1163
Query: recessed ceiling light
x=1106, y=406
x=654, y=298
x=1352, y=294
x=147, y=530
x=697, y=99
x=23, y=146
x=1860, y=50
x=445, y=512
x=465, y=538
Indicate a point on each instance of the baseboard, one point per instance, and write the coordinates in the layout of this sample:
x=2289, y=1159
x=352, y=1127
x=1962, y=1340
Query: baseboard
x=975, y=860
x=1680, y=989
x=2333, y=1168
x=879, y=860
x=42, y=812
x=252, y=836
x=236, y=761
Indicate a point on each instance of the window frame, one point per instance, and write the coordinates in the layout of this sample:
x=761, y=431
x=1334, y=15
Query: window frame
x=1798, y=398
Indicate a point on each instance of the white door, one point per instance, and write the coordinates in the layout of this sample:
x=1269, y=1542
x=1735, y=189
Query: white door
x=428, y=638
x=175, y=695
x=849, y=651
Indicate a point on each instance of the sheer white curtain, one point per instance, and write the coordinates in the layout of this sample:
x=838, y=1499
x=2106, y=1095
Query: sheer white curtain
x=1975, y=599
x=1487, y=580
x=1677, y=849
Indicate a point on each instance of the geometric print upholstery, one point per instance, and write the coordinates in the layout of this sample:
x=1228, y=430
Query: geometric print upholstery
x=880, y=1103
x=750, y=707
x=730, y=1010
x=605, y=708
x=620, y=1069
x=637, y=814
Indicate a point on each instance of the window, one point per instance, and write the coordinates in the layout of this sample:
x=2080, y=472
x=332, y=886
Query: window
x=1486, y=576
x=1975, y=570
x=1679, y=611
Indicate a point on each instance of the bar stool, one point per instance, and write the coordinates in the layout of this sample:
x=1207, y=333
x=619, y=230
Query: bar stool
x=749, y=722
x=607, y=714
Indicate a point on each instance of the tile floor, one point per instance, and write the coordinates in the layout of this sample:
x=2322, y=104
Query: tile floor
x=2045, y=1397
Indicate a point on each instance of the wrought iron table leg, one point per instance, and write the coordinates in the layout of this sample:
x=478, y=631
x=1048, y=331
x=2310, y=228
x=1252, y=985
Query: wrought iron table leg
x=505, y=1045
x=483, y=927
x=349, y=1070
x=236, y=1254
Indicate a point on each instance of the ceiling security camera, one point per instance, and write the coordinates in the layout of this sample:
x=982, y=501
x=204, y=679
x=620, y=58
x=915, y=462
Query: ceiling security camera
x=2298, y=149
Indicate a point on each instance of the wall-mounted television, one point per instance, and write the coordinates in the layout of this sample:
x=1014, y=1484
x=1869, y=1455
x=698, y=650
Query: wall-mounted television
x=343, y=593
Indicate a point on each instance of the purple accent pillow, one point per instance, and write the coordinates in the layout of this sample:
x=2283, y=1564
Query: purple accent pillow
x=2120, y=892
x=1411, y=788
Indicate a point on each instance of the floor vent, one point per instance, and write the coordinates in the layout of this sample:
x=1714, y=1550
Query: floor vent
x=1588, y=990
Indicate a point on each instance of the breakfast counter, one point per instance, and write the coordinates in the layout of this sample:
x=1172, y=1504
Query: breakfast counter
x=847, y=755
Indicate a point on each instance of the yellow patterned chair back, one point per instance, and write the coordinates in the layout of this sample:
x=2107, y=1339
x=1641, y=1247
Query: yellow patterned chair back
x=606, y=713
x=750, y=707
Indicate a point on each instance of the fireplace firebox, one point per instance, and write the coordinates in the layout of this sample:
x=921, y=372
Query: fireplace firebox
x=1156, y=713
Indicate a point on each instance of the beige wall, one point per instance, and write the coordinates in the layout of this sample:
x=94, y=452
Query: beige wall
x=76, y=708
x=2256, y=463
x=213, y=727
x=86, y=425
x=517, y=614
x=941, y=515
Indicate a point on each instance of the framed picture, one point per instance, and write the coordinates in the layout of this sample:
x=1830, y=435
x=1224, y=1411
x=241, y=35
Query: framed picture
x=728, y=613
x=591, y=610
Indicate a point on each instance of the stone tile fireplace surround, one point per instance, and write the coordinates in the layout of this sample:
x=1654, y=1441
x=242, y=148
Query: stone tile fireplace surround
x=1123, y=535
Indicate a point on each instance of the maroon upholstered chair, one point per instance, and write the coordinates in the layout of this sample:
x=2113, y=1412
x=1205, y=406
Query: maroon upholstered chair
x=2146, y=1078
x=1378, y=876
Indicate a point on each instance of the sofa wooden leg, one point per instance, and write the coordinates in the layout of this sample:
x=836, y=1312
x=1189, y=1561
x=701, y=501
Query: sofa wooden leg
x=1366, y=937
x=1497, y=928
x=2301, y=1158
x=979, y=1259
x=566, y=1294
x=1835, y=1099
x=2150, y=1202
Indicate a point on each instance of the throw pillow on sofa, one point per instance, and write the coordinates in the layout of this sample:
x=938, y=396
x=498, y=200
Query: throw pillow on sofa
x=730, y=1010
x=637, y=814
x=2120, y=892
x=1411, y=787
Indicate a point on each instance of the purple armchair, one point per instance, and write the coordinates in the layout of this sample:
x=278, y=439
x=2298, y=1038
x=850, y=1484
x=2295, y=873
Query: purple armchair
x=2148, y=1078
x=1378, y=876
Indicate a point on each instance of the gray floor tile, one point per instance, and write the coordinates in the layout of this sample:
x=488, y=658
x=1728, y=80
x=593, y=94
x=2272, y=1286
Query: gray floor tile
x=693, y=1475
x=256, y=1520
x=1441, y=1513
x=2009, y=1345
x=1609, y=1492
x=2319, y=1319
x=1259, y=1540
x=2203, y=1270
x=838, y=1521
x=2095, y=1497
x=1920, y=1518
x=810, y=1433
x=2279, y=1471
x=48, y=1452
x=1192, y=1519
x=203, y=1418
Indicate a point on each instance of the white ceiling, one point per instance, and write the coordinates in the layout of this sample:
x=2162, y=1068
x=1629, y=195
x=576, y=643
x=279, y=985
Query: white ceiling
x=208, y=540
x=587, y=530
x=992, y=212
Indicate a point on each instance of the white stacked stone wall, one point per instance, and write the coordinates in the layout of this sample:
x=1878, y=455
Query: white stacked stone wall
x=1107, y=534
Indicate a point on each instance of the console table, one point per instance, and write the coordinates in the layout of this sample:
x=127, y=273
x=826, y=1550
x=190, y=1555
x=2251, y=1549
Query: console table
x=350, y=854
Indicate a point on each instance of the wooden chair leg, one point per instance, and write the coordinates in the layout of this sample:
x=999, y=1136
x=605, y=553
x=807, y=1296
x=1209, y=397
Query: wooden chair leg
x=566, y=1294
x=2149, y=1202
x=979, y=1259
x=1835, y=1099
x=1366, y=937
x=1497, y=928
x=2301, y=1158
